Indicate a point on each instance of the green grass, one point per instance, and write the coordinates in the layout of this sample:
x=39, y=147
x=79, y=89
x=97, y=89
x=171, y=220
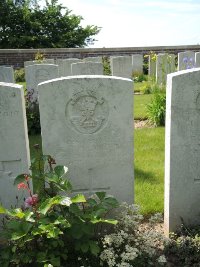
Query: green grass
x=138, y=86
x=140, y=102
x=149, y=169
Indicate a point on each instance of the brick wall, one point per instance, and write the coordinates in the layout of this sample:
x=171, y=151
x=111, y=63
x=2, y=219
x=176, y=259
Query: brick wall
x=16, y=57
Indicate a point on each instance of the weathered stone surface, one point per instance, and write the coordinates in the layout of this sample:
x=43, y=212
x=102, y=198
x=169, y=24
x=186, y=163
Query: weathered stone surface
x=36, y=74
x=87, y=125
x=137, y=64
x=87, y=68
x=197, y=59
x=64, y=66
x=93, y=59
x=14, y=145
x=182, y=149
x=121, y=66
x=165, y=64
x=33, y=62
x=186, y=60
x=7, y=74
x=152, y=66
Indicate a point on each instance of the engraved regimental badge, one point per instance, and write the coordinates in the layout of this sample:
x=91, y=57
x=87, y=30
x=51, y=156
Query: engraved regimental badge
x=87, y=112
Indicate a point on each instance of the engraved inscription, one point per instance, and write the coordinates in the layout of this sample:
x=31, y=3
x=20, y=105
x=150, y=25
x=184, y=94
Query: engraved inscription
x=8, y=113
x=87, y=112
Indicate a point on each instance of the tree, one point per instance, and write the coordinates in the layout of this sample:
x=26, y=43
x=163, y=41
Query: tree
x=24, y=24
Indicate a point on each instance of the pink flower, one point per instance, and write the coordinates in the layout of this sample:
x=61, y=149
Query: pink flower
x=22, y=186
x=31, y=201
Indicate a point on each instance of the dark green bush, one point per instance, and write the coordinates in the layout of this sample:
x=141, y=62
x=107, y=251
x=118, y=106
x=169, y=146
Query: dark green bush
x=19, y=75
x=183, y=249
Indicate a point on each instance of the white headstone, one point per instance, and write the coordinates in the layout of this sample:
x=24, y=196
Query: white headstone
x=87, y=125
x=197, y=59
x=186, y=60
x=87, y=68
x=64, y=66
x=182, y=149
x=7, y=74
x=121, y=66
x=165, y=64
x=33, y=62
x=36, y=74
x=137, y=64
x=14, y=145
x=152, y=65
x=93, y=59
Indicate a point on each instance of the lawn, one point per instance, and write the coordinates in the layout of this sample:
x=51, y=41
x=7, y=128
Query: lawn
x=140, y=102
x=149, y=169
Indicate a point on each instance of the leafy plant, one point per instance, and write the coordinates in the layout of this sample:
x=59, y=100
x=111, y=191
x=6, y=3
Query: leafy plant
x=32, y=115
x=39, y=57
x=19, y=75
x=53, y=229
x=139, y=77
x=131, y=244
x=182, y=249
x=156, y=109
x=106, y=65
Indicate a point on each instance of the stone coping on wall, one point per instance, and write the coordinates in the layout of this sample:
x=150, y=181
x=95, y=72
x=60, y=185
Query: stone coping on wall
x=103, y=49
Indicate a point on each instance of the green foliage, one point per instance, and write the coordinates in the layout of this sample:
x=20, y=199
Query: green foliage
x=139, y=77
x=39, y=57
x=106, y=65
x=19, y=75
x=156, y=109
x=53, y=229
x=131, y=244
x=25, y=24
x=33, y=117
x=182, y=249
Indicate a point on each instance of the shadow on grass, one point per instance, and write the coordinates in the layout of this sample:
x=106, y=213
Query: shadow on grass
x=144, y=176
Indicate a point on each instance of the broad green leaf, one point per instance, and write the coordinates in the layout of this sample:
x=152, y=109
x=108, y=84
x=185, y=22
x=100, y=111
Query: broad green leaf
x=110, y=202
x=19, y=179
x=94, y=248
x=101, y=195
x=85, y=247
x=16, y=213
x=2, y=210
x=76, y=231
x=48, y=203
x=60, y=170
x=75, y=209
x=78, y=198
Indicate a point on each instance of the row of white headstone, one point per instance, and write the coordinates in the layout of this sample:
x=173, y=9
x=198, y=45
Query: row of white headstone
x=121, y=66
x=163, y=64
x=87, y=125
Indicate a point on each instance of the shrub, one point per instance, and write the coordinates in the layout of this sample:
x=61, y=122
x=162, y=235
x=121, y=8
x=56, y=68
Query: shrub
x=139, y=77
x=53, y=229
x=19, y=75
x=106, y=65
x=156, y=109
x=182, y=249
x=32, y=114
x=132, y=245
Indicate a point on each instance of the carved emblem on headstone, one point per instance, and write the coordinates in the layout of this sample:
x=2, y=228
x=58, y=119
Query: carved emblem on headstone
x=87, y=112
